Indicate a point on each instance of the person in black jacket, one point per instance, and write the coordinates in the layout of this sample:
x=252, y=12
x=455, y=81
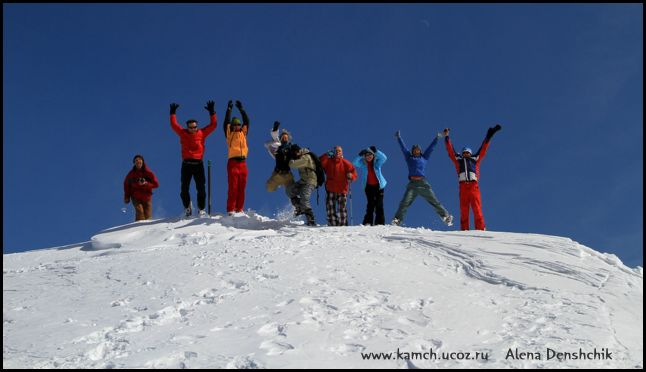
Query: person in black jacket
x=279, y=149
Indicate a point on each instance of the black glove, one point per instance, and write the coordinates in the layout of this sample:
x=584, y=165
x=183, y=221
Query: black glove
x=210, y=107
x=173, y=108
x=276, y=125
x=397, y=134
x=239, y=105
x=492, y=130
x=374, y=149
x=230, y=105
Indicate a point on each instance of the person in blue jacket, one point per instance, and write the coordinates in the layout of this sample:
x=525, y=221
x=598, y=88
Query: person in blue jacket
x=417, y=185
x=370, y=161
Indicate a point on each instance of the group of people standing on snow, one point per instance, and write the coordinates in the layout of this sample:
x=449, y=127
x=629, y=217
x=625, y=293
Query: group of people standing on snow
x=331, y=169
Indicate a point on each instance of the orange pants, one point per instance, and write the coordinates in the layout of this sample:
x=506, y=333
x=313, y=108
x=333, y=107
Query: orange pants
x=470, y=197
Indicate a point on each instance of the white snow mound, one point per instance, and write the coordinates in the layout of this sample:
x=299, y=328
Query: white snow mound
x=249, y=291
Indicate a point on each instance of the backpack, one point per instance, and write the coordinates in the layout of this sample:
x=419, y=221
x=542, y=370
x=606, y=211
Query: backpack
x=320, y=172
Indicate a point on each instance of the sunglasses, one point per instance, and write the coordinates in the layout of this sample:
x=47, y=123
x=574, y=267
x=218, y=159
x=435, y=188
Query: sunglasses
x=195, y=127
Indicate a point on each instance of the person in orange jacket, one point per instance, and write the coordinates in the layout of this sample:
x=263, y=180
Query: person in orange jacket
x=235, y=133
x=467, y=165
x=192, y=140
x=138, y=187
x=339, y=172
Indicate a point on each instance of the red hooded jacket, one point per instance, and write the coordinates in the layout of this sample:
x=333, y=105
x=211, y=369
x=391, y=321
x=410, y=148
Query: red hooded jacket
x=142, y=191
x=336, y=170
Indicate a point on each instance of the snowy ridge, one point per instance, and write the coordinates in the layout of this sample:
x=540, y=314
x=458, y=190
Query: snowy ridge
x=255, y=292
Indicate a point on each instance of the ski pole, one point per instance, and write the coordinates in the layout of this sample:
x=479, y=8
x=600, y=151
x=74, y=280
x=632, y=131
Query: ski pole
x=350, y=193
x=209, y=188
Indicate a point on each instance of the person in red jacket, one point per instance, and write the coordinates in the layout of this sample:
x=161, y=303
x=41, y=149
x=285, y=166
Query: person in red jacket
x=339, y=172
x=467, y=165
x=192, y=140
x=138, y=187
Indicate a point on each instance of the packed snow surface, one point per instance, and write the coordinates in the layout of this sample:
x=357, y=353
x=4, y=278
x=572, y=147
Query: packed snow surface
x=249, y=291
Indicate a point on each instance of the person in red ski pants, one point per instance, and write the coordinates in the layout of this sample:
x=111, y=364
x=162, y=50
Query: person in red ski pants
x=235, y=132
x=467, y=165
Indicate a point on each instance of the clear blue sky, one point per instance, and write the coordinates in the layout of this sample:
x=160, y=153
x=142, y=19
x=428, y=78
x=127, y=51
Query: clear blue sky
x=86, y=87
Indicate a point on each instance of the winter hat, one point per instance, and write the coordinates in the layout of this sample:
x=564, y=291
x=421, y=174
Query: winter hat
x=138, y=156
x=466, y=149
x=414, y=147
x=366, y=151
x=235, y=121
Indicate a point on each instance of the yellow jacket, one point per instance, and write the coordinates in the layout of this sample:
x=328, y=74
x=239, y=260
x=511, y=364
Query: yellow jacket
x=237, y=142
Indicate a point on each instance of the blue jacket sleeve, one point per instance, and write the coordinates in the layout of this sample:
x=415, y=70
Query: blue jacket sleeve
x=380, y=157
x=429, y=149
x=358, y=163
x=403, y=147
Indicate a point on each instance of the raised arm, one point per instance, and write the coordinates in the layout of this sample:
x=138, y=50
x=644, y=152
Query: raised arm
x=213, y=121
x=402, y=145
x=274, y=131
x=227, y=117
x=245, y=118
x=485, y=144
x=482, y=151
x=380, y=157
x=429, y=149
x=449, y=149
x=273, y=144
x=358, y=162
x=173, y=119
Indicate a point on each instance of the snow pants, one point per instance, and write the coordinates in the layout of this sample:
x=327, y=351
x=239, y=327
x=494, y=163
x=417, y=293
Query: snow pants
x=470, y=197
x=375, y=208
x=299, y=193
x=422, y=188
x=237, y=173
x=193, y=169
x=278, y=179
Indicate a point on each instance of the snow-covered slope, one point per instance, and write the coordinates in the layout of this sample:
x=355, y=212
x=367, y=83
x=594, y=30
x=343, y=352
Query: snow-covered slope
x=250, y=291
